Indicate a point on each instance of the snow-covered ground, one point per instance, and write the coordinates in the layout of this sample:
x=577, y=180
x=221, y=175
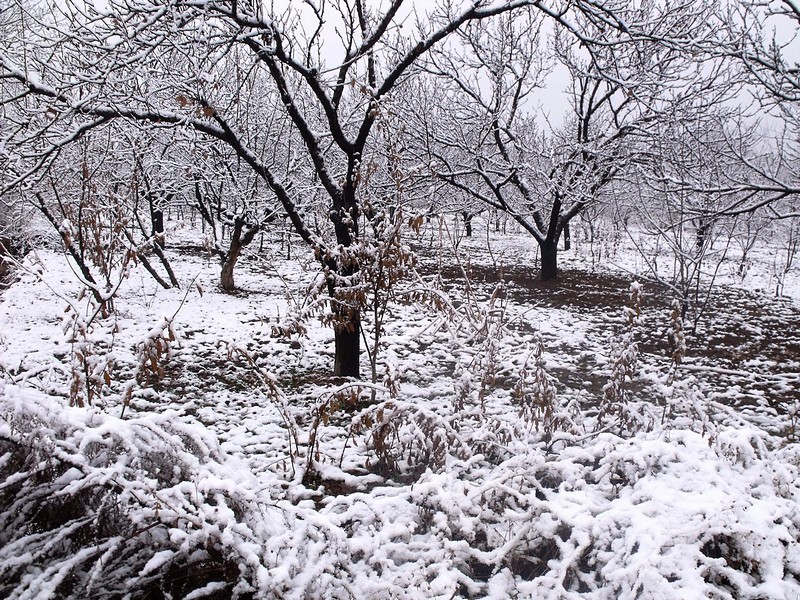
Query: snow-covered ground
x=510, y=446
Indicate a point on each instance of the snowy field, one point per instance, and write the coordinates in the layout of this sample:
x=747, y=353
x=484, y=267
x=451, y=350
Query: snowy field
x=521, y=439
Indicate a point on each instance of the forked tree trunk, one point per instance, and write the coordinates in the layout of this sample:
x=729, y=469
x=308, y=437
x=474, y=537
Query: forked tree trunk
x=238, y=241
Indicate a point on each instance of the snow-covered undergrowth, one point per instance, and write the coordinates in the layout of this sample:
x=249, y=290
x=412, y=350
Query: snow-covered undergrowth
x=99, y=507
x=507, y=450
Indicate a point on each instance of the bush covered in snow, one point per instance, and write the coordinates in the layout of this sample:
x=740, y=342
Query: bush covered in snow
x=98, y=507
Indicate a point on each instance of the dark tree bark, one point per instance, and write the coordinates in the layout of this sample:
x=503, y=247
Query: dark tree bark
x=156, y=219
x=567, y=237
x=701, y=237
x=146, y=264
x=75, y=253
x=467, y=223
x=549, y=260
x=347, y=341
x=347, y=330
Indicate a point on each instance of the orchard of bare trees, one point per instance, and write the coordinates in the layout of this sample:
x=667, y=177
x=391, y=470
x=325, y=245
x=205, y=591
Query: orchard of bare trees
x=333, y=116
x=343, y=248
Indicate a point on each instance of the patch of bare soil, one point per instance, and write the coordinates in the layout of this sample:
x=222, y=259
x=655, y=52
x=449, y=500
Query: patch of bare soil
x=749, y=344
x=745, y=350
x=599, y=292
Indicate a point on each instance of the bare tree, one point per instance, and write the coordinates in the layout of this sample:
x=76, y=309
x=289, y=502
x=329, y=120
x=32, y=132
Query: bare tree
x=81, y=65
x=760, y=40
x=619, y=90
x=232, y=202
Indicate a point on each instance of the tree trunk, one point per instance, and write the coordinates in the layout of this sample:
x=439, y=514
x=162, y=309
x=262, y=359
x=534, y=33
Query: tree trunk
x=226, y=277
x=238, y=241
x=346, y=333
x=347, y=322
x=567, y=237
x=467, y=224
x=347, y=339
x=549, y=261
x=156, y=219
x=701, y=237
